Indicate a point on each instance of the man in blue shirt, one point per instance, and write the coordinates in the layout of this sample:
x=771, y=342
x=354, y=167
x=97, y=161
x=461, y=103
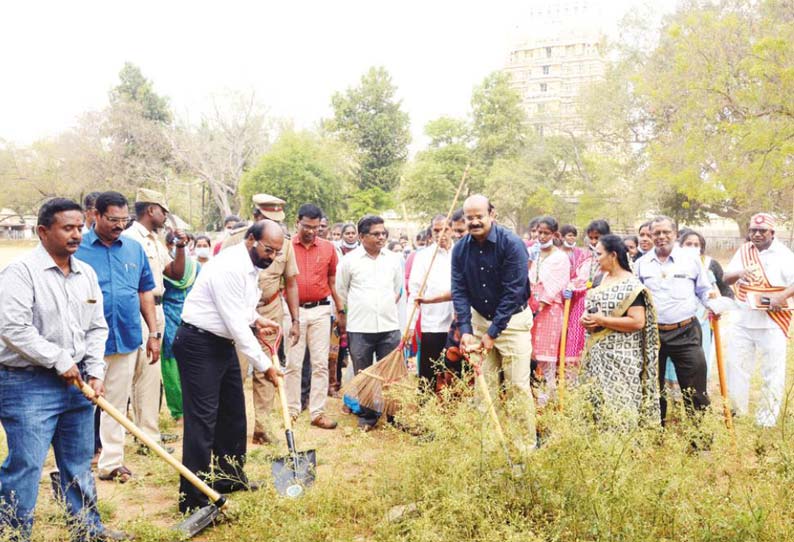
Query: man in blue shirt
x=490, y=289
x=127, y=287
x=677, y=281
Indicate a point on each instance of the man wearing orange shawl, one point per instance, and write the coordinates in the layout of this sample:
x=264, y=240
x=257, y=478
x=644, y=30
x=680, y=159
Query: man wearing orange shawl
x=760, y=271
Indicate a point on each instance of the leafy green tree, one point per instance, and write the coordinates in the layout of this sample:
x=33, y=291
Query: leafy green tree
x=301, y=167
x=499, y=123
x=135, y=88
x=370, y=119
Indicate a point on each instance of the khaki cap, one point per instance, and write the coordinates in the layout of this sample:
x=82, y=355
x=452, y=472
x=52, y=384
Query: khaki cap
x=144, y=195
x=270, y=206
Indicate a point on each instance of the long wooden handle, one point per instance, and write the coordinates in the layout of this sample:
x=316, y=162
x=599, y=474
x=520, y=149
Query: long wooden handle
x=715, y=327
x=433, y=258
x=282, y=395
x=102, y=403
x=486, y=397
x=563, y=344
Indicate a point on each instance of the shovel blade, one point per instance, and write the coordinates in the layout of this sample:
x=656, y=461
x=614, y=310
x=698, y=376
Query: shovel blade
x=198, y=520
x=292, y=480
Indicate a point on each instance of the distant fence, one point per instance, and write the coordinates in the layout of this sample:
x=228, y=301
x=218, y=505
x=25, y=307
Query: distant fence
x=719, y=243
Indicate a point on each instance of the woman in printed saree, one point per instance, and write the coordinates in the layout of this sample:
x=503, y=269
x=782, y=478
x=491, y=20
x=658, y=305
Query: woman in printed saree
x=548, y=277
x=173, y=300
x=620, y=357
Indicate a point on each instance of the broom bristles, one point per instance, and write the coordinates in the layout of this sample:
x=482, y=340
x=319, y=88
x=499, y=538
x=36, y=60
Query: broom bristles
x=371, y=386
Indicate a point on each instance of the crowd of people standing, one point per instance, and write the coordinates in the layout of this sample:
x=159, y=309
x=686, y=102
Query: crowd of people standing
x=106, y=299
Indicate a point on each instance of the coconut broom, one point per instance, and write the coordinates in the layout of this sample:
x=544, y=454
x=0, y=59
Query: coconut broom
x=370, y=386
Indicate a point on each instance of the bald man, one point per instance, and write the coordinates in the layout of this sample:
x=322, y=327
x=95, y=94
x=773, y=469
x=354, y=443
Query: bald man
x=219, y=315
x=490, y=289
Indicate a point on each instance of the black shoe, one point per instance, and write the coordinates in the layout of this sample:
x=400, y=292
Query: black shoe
x=168, y=437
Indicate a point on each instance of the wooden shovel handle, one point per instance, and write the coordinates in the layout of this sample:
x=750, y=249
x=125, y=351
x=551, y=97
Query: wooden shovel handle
x=282, y=395
x=102, y=403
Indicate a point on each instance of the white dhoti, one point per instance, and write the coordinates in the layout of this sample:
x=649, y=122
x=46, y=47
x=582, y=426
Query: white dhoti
x=744, y=346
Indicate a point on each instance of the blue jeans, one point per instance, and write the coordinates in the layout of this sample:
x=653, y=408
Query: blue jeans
x=38, y=408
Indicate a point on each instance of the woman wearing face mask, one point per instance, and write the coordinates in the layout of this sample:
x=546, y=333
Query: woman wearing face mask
x=173, y=299
x=695, y=243
x=349, y=241
x=549, y=274
x=203, y=249
x=582, y=270
x=620, y=363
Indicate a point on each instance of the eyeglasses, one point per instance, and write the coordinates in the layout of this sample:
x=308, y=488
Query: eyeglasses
x=379, y=234
x=270, y=250
x=117, y=219
x=757, y=230
x=310, y=228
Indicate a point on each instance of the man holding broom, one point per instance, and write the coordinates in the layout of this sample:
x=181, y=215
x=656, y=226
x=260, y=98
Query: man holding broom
x=490, y=289
x=369, y=282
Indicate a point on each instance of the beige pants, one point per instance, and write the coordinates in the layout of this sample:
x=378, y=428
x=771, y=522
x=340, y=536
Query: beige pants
x=264, y=392
x=147, y=380
x=118, y=379
x=512, y=353
x=316, y=334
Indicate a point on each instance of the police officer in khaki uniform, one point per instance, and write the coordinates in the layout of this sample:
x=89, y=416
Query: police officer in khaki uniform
x=280, y=275
x=151, y=212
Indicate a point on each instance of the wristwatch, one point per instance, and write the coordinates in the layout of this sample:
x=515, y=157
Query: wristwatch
x=341, y=311
x=157, y=335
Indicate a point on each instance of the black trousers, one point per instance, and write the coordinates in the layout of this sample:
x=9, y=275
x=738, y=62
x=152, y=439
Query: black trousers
x=431, y=362
x=214, y=414
x=684, y=348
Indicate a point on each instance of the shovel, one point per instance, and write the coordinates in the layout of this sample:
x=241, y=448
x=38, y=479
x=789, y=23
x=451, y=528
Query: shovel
x=293, y=473
x=201, y=518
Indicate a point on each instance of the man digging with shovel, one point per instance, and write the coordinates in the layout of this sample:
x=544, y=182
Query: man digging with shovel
x=219, y=314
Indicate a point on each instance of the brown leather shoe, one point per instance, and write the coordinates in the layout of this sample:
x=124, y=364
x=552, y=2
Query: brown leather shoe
x=261, y=438
x=324, y=422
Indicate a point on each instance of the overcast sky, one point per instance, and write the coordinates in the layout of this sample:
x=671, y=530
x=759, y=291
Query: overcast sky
x=59, y=59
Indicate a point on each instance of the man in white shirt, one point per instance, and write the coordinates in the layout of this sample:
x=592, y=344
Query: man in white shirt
x=761, y=268
x=219, y=314
x=369, y=283
x=436, y=300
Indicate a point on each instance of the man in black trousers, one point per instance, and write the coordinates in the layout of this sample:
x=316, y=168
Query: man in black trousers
x=220, y=314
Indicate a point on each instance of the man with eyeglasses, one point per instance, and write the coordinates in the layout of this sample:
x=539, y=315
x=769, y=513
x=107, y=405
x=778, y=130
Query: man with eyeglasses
x=127, y=283
x=317, y=261
x=677, y=281
x=280, y=276
x=369, y=282
x=219, y=322
x=761, y=270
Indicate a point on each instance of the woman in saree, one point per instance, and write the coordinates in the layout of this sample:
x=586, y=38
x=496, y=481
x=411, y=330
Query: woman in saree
x=620, y=358
x=173, y=300
x=549, y=274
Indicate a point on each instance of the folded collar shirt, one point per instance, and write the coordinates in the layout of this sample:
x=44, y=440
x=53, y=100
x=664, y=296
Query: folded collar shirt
x=223, y=302
x=490, y=278
x=369, y=288
x=436, y=317
x=676, y=284
x=49, y=319
x=123, y=271
x=316, y=267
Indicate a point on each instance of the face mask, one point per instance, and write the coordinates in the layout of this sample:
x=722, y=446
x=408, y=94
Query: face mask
x=345, y=244
x=261, y=263
x=569, y=245
x=203, y=252
x=547, y=244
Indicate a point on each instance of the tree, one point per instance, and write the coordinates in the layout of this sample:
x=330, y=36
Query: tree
x=302, y=167
x=370, y=119
x=430, y=181
x=499, y=123
x=135, y=88
x=223, y=146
